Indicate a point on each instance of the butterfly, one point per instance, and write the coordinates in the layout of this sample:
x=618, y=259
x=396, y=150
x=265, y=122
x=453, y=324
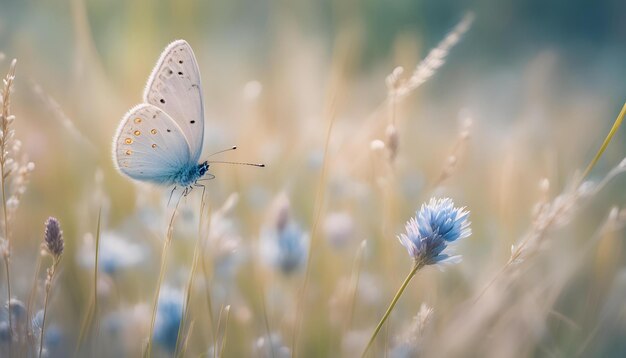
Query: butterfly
x=160, y=140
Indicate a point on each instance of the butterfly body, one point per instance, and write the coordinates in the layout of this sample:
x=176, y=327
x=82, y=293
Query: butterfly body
x=189, y=175
x=160, y=141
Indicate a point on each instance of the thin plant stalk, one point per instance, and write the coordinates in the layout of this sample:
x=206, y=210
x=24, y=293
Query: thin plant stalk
x=207, y=285
x=345, y=54
x=207, y=280
x=227, y=309
x=31, y=297
x=93, y=302
x=49, y=279
x=4, y=126
x=356, y=274
x=267, y=322
x=194, y=265
x=319, y=203
x=416, y=267
x=166, y=245
x=219, y=322
x=607, y=140
x=183, y=350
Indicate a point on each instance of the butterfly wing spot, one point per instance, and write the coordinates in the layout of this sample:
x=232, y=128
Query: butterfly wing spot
x=154, y=146
x=137, y=120
x=137, y=132
x=192, y=122
x=153, y=131
x=128, y=141
x=175, y=88
x=169, y=130
x=129, y=152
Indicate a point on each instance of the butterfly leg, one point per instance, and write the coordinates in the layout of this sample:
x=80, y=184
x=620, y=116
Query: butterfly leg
x=209, y=177
x=172, y=193
x=200, y=186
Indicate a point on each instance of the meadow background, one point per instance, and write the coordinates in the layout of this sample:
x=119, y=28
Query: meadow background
x=518, y=110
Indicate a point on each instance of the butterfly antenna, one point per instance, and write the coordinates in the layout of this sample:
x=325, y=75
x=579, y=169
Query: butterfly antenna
x=224, y=150
x=238, y=163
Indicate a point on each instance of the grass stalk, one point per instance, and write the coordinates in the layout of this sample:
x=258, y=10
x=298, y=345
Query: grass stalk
x=391, y=306
x=356, y=274
x=155, y=304
x=227, y=309
x=49, y=279
x=194, y=264
x=4, y=126
x=93, y=301
x=31, y=299
x=605, y=144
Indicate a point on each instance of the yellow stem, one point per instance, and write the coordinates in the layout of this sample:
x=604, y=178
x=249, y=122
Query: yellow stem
x=391, y=306
x=607, y=140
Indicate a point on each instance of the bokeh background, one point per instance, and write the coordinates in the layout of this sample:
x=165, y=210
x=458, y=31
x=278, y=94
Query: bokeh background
x=520, y=106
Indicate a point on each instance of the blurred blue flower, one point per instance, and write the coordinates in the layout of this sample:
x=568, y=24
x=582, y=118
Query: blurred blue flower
x=273, y=347
x=292, y=248
x=284, y=243
x=53, y=340
x=169, y=315
x=114, y=254
x=5, y=332
x=435, y=226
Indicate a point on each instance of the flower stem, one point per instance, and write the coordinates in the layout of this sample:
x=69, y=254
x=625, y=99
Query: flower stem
x=416, y=267
x=607, y=140
x=45, y=304
x=166, y=244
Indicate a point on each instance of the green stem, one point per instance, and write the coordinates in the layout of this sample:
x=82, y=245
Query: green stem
x=607, y=140
x=392, y=305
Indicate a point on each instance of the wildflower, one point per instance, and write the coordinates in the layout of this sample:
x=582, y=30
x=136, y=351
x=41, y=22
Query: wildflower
x=284, y=244
x=287, y=249
x=5, y=332
x=114, y=254
x=53, y=237
x=435, y=226
x=428, y=234
x=53, y=242
x=169, y=315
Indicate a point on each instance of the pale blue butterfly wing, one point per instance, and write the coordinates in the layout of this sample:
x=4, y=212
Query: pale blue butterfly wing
x=150, y=146
x=174, y=86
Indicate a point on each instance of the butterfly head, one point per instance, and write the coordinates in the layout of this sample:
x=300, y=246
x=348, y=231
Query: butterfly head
x=203, y=168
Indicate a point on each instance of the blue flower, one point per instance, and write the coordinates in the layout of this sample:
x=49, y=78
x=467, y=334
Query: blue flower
x=169, y=315
x=435, y=226
x=115, y=253
x=283, y=243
